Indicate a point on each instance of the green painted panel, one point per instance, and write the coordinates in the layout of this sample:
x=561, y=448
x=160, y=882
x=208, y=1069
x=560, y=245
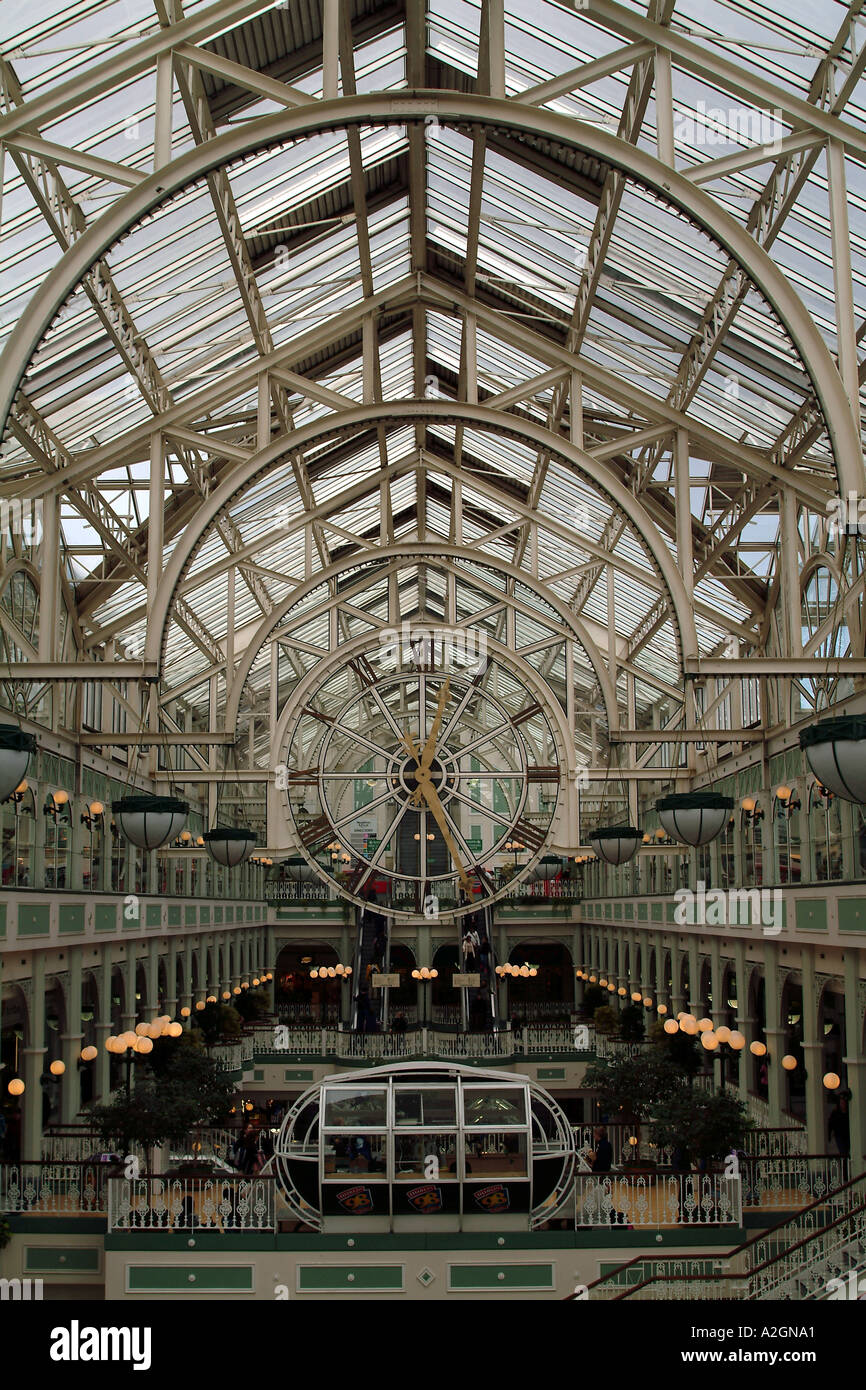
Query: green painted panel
x=812, y=914
x=190, y=917
x=2, y=920
x=190, y=1278
x=174, y=914
x=153, y=915
x=35, y=920
x=71, y=918
x=258, y=1075
x=642, y=912
x=218, y=915
x=607, y=910
x=298, y=1074
x=230, y=914
x=105, y=917
x=852, y=914
x=204, y=916
x=355, y=1278
x=617, y=911
x=629, y=912
x=670, y=909
x=657, y=911
x=551, y=1073
x=500, y=1276
x=60, y=1259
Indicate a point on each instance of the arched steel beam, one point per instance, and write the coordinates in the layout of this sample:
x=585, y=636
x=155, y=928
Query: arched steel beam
x=448, y=412
x=416, y=550
x=391, y=108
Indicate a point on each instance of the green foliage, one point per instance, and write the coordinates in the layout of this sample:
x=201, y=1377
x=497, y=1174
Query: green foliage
x=252, y=1004
x=680, y=1048
x=218, y=1023
x=593, y=998
x=634, y=1085
x=631, y=1023
x=606, y=1021
x=179, y=1088
x=705, y=1124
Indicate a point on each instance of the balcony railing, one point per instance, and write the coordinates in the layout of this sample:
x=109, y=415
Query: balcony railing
x=192, y=1204
x=57, y=1189
x=529, y=1040
x=793, y=1260
x=657, y=1199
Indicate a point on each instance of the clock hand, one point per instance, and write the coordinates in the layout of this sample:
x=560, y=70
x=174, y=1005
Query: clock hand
x=430, y=745
x=431, y=796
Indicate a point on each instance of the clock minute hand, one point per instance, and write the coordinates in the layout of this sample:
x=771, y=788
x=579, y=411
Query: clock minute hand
x=430, y=745
x=431, y=796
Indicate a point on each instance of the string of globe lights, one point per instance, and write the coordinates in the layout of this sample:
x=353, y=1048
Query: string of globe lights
x=523, y=972
x=138, y=1042
x=331, y=972
x=712, y=1039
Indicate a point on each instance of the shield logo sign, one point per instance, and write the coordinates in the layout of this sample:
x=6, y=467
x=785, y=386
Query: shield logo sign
x=358, y=1200
x=425, y=1199
x=494, y=1198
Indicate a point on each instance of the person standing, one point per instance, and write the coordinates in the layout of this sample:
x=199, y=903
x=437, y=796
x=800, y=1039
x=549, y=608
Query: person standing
x=602, y=1156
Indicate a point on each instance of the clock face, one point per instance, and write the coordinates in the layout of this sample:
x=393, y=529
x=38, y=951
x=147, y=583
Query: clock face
x=419, y=786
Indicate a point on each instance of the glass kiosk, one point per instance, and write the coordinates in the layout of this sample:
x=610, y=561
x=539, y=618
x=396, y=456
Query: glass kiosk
x=418, y=1142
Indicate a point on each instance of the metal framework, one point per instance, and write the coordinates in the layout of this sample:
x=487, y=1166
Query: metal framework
x=320, y=321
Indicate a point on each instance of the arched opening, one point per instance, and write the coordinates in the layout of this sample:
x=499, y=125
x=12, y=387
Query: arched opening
x=402, y=1002
x=545, y=997
x=299, y=997
x=446, y=999
x=14, y=1038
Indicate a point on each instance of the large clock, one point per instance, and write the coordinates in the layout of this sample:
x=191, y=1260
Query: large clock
x=422, y=782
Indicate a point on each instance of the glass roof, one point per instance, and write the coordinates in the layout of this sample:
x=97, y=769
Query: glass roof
x=384, y=224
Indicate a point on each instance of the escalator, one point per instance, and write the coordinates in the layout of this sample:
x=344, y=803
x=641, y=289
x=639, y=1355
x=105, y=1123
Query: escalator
x=480, y=1007
x=368, y=1003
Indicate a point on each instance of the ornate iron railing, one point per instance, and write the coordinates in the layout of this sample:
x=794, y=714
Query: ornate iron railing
x=656, y=1199
x=192, y=1204
x=52, y=1188
x=793, y=1260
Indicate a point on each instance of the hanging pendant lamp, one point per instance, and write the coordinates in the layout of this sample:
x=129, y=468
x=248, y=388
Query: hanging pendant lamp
x=615, y=844
x=836, y=753
x=149, y=821
x=694, y=818
x=16, y=749
x=229, y=846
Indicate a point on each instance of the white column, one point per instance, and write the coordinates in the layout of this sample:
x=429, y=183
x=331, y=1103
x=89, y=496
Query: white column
x=34, y=1057
x=70, y=1086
